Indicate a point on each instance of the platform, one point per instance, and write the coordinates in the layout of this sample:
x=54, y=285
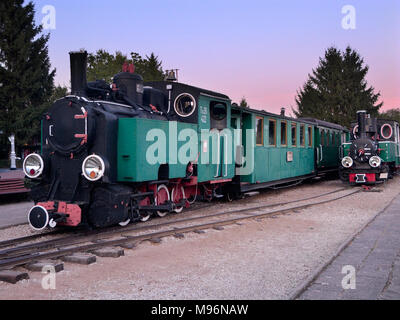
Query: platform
x=12, y=181
x=374, y=255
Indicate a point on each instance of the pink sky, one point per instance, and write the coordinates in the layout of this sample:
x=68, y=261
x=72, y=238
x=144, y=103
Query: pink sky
x=262, y=49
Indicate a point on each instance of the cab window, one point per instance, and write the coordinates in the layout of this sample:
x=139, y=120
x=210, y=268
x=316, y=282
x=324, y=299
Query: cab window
x=218, y=111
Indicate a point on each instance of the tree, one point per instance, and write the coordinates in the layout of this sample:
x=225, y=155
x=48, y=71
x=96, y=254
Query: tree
x=103, y=65
x=152, y=69
x=26, y=81
x=391, y=114
x=243, y=103
x=337, y=89
x=58, y=93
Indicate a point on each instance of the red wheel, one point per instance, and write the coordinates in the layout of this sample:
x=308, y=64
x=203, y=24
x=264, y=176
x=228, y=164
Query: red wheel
x=145, y=215
x=177, y=194
x=161, y=198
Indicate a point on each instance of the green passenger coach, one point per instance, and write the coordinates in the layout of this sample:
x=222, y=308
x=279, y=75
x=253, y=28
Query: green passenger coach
x=283, y=149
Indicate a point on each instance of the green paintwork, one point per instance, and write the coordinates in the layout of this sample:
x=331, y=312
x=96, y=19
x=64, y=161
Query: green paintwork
x=208, y=164
x=389, y=151
x=328, y=153
x=271, y=162
x=134, y=149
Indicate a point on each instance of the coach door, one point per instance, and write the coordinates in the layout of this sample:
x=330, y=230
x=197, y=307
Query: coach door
x=237, y=139
x=223, y=139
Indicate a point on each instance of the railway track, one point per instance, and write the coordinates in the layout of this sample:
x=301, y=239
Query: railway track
x=14, y=256
x=187, y=215
x=25, y=239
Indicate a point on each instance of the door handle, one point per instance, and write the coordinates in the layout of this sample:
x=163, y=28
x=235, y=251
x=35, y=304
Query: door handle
x=322, y=155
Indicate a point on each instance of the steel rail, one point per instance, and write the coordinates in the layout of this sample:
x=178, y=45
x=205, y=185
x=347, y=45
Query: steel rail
x=96, y=234
x=15, y=241
x=60, y=251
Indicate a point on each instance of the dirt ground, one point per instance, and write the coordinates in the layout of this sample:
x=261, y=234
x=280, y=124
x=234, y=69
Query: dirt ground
x=259, y=259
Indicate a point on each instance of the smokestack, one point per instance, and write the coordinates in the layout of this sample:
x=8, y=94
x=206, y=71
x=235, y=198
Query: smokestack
x=361, y=119
x=78, y=62
x=282, y=112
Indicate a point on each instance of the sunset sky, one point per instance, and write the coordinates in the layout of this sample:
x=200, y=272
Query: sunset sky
x=262, y=50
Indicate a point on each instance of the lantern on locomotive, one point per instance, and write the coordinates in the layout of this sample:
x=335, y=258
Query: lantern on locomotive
x=372, y=155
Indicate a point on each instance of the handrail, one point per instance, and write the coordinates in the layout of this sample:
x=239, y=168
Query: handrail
x=218, y=154
x=226, y=154
x=322, y=154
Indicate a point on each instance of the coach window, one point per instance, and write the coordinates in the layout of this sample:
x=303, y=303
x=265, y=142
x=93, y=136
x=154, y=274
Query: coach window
x=259, y=131
x=283, y=133
x=322, y=137
x=309, y=136
x=302, y=135
x=294, y=134
x=272, y=132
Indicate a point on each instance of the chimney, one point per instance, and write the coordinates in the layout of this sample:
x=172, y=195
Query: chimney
x=282, y=111
x=78, y=62
x=361, y=119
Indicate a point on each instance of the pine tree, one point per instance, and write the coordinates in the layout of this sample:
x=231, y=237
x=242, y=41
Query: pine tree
x=26, y=82
x=243, y=103
x=59, y=92
x=152, y=69
x=337, y=89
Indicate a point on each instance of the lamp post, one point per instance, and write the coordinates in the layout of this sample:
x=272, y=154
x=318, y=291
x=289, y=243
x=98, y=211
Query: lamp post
x=13, y=156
